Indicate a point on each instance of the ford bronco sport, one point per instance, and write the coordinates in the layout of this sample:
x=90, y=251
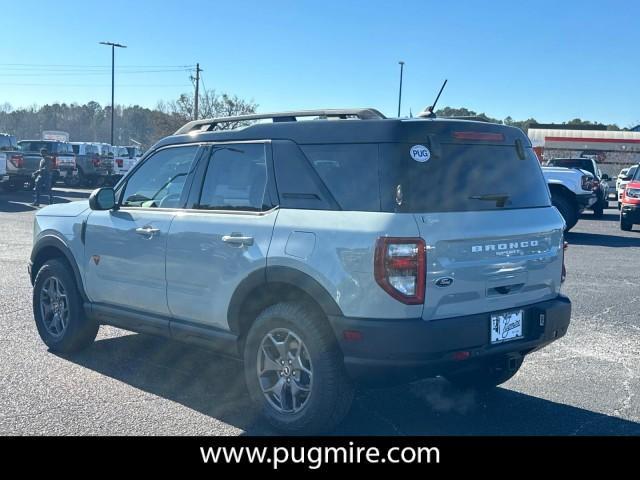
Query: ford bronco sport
x=345, y=248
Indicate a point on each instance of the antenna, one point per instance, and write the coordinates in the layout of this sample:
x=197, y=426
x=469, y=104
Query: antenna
x=428, y=112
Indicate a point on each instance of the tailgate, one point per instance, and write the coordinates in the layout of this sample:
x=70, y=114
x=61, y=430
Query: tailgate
x=31, y=161
x=66, y=160
x=480, y=262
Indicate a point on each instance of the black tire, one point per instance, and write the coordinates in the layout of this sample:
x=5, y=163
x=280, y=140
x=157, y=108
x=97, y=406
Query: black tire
x=331, y=392
x=74, y=181
x=80, y=332
x=566, y=209
x=487, y=376
x=625, y=225
x=598, y=210
x=10, y=187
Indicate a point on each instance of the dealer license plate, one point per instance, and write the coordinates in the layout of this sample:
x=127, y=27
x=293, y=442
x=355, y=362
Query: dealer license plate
x=506, y=326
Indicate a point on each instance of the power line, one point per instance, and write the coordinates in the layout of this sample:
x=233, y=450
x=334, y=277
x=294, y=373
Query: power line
x=84, y=73
x=80, y=66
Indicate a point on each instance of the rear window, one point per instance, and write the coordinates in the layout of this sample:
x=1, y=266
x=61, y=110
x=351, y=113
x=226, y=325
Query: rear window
x=350, y=172
x=51, y=147
x=473, y=177
x=7, y=142
x=572, y=163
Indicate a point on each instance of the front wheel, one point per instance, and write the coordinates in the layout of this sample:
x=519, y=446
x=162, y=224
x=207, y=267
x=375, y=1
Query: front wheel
x=294, y=370
x=567, y=209
x=625, y=225
x=57, y=309
x=487, y=376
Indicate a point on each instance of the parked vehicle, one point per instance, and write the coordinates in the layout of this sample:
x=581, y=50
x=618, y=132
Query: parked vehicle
x=622, y=181
x=8, y=152
x=64, y=160
x=134, y=152
x=591, y=166
x=321, y=252
x=17, y=165
x=94, y=165
x=123, y=161
x=572, y=191
x=630, y=208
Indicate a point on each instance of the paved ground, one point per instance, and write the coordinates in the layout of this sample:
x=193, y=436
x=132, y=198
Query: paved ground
x=586, y=383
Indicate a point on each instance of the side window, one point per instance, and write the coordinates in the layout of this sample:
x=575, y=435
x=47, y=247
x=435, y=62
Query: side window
x=350, y=172
x=236, y=179
x=160, y=180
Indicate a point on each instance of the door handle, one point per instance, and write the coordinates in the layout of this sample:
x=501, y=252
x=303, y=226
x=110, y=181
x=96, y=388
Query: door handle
x=237, y=239
x=147, y=231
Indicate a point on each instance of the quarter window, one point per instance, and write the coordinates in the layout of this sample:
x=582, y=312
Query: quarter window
x=160, y=180
x=236, y=178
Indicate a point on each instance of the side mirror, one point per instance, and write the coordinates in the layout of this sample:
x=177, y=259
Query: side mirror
x=102, y=199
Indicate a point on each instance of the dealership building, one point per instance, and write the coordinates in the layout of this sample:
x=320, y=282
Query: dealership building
x=613, y=149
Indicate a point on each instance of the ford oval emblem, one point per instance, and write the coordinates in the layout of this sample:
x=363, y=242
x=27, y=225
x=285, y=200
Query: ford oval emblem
x=444, y=282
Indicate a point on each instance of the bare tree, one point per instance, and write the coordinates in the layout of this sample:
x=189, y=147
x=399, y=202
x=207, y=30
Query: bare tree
x=211, y=105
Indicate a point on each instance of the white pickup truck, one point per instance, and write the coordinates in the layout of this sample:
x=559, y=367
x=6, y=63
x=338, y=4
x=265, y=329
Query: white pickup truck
x=572, y=192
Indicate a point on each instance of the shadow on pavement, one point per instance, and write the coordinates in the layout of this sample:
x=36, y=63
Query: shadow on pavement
x=602, y=240
x=214, y=386
x=19, y=201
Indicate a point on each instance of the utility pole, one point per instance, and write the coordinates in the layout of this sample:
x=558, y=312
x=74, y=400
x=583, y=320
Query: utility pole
x=198, y=70
x=113, y=76
x=400, y=90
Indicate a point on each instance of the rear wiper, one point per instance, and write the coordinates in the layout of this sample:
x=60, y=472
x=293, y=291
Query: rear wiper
x=499, y=198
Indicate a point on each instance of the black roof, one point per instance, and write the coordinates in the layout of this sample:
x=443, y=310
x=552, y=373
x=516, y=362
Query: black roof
x=369, y=130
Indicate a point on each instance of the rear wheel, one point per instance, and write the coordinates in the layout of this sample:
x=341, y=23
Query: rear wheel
x=74, y=181
x=294, y=370
x=566, y=209
x=598, y=210
x=58, y=312
x=487, y=376
x=10, y=187
x=625, y=225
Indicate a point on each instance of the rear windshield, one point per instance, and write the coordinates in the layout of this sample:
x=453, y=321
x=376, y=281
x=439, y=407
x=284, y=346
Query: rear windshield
x=50, y=147
x=473, y=177
x=572, y=163
x=7, y=142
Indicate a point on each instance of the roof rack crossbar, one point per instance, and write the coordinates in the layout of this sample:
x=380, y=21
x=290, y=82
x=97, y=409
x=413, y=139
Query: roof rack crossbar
x=210, y=123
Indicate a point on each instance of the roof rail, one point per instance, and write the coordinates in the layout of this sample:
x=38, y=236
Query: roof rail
x=210, y=123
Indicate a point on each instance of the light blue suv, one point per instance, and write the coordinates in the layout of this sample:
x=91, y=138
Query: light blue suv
x=341, y=249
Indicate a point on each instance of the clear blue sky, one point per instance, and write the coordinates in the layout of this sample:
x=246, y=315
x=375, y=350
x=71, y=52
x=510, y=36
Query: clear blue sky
x=553, y=60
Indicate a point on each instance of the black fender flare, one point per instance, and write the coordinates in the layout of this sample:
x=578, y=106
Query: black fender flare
x=53, y=241
x=281, y=275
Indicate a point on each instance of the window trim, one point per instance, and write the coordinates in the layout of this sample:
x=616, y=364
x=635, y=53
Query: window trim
x=121, y=187
x=271, y=194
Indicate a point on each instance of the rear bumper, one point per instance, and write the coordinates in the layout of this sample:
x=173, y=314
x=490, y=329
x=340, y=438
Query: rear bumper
x=16, y=178
x=630, y=213
x=391, y=351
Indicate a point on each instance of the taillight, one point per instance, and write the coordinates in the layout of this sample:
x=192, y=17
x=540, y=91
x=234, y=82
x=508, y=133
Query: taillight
x=120, y=162
x=17, y=160
x=96, y=161
x=54, y=159
x=484, y=136
x=399, y=268
x=565, y=246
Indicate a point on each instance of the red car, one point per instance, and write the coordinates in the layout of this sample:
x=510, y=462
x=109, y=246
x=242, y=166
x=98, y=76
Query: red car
x=630, y=211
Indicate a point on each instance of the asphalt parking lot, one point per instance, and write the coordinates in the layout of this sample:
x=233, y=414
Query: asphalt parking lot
x=129, y=384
